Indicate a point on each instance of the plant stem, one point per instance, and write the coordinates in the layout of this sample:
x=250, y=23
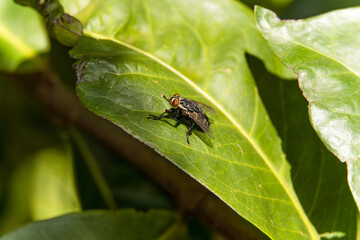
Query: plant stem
x=93, y=167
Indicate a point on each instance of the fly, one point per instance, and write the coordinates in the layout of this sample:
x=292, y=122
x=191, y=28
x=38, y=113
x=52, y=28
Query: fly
x=191, y=110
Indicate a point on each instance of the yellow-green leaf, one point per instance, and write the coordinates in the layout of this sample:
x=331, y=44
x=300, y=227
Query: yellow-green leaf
x=22, y=35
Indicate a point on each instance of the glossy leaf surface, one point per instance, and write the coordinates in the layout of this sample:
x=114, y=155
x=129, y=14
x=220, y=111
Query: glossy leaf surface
x=324, y=52
x=124, y=224
x=135, y=51
x=22, y=35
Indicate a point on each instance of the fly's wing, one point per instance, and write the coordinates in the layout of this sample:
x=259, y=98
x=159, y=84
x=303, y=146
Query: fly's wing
x=202, y=120
x=205, y=107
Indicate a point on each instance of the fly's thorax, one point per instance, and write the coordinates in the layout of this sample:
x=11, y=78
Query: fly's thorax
x=182, y=104
x=183, y=108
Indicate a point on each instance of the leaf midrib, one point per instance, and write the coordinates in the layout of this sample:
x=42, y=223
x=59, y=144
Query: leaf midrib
x=278, y=176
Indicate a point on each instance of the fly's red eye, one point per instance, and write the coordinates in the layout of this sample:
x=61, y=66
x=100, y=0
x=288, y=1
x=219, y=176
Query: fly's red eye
x=175, y=102
x=176, y=95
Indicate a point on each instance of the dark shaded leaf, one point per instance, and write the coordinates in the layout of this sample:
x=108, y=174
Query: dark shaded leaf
x=124, y=224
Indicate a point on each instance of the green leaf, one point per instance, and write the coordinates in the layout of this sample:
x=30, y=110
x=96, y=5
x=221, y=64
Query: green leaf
x=319, y=178
x=124, y=224
x=196, y=50
x=22, y=35
x=323, y=51
x=354, y=179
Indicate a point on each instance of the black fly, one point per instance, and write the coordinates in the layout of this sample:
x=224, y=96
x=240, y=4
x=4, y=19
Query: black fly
x=191, y=110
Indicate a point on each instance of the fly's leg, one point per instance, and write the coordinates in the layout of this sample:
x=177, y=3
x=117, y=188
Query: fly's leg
x=161, y=115
x=157, y=117
x=189, y=131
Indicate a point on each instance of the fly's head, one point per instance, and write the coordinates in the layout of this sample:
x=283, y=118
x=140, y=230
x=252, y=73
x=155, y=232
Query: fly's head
x=174, y=100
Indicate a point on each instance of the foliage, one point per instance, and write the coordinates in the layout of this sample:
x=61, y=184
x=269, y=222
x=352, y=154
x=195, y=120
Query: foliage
x=327, y=76
x=266, y=162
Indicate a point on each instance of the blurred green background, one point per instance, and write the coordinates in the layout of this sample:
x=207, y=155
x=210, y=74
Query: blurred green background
x=39, y=156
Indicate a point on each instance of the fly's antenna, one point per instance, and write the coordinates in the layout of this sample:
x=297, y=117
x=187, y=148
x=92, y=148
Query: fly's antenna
x=165, y=98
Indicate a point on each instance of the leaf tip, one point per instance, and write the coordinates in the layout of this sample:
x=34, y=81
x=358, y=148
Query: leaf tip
x=265, y=18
